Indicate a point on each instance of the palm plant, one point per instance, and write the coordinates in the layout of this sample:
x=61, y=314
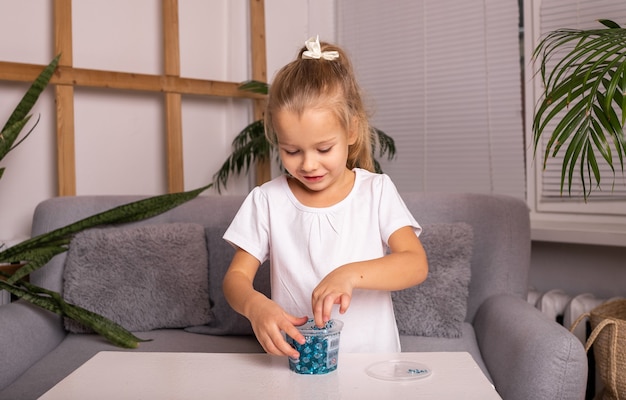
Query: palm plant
x=251, y=146
x=588, y=85
x=34, y=253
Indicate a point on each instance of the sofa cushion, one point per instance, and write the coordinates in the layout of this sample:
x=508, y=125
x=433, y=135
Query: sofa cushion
x=224, y=320
x=437, y=307
x=141, y=277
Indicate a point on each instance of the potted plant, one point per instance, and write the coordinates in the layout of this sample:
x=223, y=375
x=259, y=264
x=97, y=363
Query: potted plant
x=586, y=91
x=250, y=146
x=34, y=253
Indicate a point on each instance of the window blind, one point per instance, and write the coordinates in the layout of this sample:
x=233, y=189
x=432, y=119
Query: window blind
x=443, y=79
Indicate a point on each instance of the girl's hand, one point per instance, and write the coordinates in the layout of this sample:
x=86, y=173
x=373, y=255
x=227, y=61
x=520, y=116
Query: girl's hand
x=268, y=321
x=335, y=288
x=406, y=266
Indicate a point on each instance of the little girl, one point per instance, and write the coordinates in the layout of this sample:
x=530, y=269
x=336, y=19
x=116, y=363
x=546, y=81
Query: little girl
x=327, y=226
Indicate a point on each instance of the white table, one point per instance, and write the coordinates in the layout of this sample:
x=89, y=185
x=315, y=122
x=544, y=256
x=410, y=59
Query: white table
x=136, y=375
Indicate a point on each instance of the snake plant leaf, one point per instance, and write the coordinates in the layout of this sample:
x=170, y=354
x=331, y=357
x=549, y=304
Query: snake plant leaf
x=53, y=302
x=108, y=329
x=36, y=252
x=19, y=117
x=30, y=296
x=27, y=134
x=9, y=134
x=35, y=259
x=131, y=212
x=32, y=94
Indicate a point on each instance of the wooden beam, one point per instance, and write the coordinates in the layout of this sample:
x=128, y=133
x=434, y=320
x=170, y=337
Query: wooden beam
x=257, y=40
x=11, y=71
x=174, y=143
x=259, y=73
x=171, y=41
x=66, y=78
x=173, y=101
x=66, y=157
x=64, y=97
x=63, y=31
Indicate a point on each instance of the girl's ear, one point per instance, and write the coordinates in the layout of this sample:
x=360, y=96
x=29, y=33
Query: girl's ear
x=353, y=130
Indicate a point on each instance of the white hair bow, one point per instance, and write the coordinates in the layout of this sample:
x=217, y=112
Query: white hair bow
x=314, y=50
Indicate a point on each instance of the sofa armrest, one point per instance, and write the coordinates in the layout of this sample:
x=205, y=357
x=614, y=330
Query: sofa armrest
x=528, y=355
x=27, y=333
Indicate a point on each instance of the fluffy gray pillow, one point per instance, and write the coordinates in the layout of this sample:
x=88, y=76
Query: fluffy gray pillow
x=141, y=277
x=225, y=320
x=438, y=306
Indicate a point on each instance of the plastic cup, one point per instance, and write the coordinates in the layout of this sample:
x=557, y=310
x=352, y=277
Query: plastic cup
x=320, y=352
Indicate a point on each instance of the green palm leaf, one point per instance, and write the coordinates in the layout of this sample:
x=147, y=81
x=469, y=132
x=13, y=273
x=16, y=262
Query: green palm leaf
x=251, y=145
x=248, y=147
x=586, y=90
x=255, y=87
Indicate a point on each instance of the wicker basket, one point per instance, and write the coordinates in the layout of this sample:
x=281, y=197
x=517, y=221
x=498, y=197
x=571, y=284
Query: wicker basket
x=608, y=337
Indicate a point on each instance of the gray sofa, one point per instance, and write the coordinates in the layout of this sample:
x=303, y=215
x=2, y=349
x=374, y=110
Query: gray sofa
x=526, y=355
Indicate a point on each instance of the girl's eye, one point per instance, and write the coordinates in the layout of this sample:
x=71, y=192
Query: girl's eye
x=291, y=152
x=326, y=150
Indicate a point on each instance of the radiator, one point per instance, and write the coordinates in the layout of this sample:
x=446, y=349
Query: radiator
x=565, y=309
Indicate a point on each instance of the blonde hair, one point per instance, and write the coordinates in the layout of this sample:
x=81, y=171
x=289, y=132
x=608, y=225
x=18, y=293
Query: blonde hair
x=326, y=84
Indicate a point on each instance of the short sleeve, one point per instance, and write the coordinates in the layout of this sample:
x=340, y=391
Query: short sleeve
x=393, y=212
x=249, y=230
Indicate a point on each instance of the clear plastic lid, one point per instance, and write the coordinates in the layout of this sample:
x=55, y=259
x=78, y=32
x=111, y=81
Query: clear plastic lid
x=398, y=370
x=310, y=329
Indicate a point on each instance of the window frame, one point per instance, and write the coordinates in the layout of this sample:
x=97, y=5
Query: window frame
x=599, y=222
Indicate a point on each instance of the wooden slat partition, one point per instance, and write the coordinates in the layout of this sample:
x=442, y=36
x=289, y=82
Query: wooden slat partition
x=64, y=96
x=171, y=84
x=173, y=100
x=20, y=72
x=259, y=73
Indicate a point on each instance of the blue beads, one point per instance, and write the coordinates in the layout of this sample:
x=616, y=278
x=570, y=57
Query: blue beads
x=319, y=353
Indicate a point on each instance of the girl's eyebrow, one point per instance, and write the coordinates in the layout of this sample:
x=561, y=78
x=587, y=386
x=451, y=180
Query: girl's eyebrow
x=326, y=142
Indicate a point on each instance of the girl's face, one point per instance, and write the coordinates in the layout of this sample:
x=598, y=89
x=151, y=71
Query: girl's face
x=314, y=149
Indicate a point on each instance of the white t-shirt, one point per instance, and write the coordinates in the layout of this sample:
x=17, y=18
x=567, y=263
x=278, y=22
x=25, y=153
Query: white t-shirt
x=304, y=244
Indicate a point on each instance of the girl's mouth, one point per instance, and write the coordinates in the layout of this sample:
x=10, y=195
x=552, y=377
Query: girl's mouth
x=313, y=179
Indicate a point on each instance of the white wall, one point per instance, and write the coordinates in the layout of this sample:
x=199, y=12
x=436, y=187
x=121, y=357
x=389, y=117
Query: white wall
x=119, y=135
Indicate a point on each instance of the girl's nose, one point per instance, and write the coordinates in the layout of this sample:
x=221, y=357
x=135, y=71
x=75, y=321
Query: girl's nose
x=309, y=162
